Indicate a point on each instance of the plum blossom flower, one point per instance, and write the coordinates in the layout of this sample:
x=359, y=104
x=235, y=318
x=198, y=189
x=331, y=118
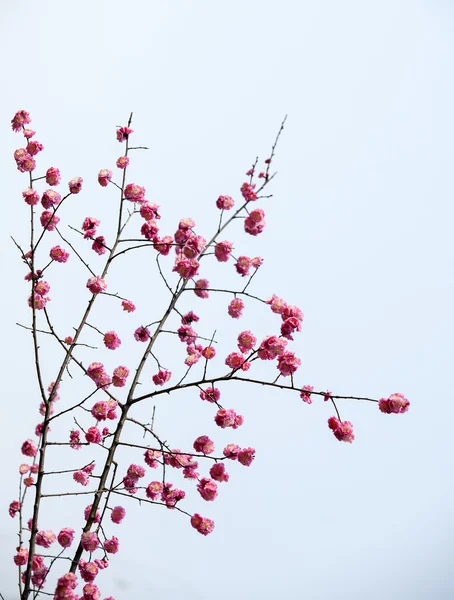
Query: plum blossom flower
x=202, y=524
x=396, y=403
x=65, y=537
x=163, y=245
x=104, y=176
x=128, y=306
x=134, y=192
x=186, y=268
x=204, y=445
x=74, y=439
x=89, y=226
x=246, y=456
x=49, y=220
x=122, y=162
x=111, y=340
x=218, y=472
x=209, y=352
x=161, y=377
x=53, y=176
x=118, y=514
x=342, y=430
x=31, y=196
x=288, y=363
x=96, y=285
x=211, y=394
x=89, y=541
x=93, y=435
x=255, y=223
x=228, y=418
x=271, y=347
x=81, y=477
x=112, y=545
x=75, y=185
x=120, y=375
x=123, y=133
x=45, y=538
x=234, y=360
x=58, y=254
x=235, y=308
x=29, y=448
x=246, y=341
x=21, y=118
x=305, y=394
x=142, y=334
x=208, y=489
x=225, y=202
x=14, y=508
x=247, y=191
x=24, y=161
x=222, y=250
x=243, y=265
x=21, y=558
x=200, y=288
x=99, y=245
x=33, y=147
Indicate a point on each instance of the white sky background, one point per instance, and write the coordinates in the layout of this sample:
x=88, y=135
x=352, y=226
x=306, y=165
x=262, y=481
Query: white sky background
x=359, y=236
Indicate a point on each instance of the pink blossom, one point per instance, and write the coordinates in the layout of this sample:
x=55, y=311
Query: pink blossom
x=277, y=304
x=128, y=306
x=75, y=185
x=171, y=496
x=91, y=592
x=23, y=469
x=111, y=546
x=271, y=347
x=235, y=308
x=246, y=341
x=200, y=290
x=149, y=229
x=31, y=196
x=342, y=430
x=100, y=410
x=14, y=508
x=96, y=285
x=118, y=514
x=99, y=245
x=288, y=363
x=209, y=352
x=120, y=375
x=134, y=192
x=163, y=245
x=187, y=334
x=29, y=448
x=254, y=223
x=152, y=457
x=49, y=220
x=38, y=302
x=211, y=394
x=89, y=541
x=228, y=418
x=194, y=246
x=162, y=377
x=65, y=537
x=45, y=538
x=225, y=202
x=142, y=334
x=42, y=288
x=21, y=558
x=292, y=311
x=289, y=326
x=122, y=162
x=52, y=176
x=93, y=435
x=74, y=439
x=58, y=254
x=396, y=403
x=28, y=481
x=247, y=191
x=33, y=147
x=81, y=477
x=38, y=577
x=123, y=133
x=34, y=468
x=181, y=236
x=208, y=489
x=202, y=524
x=24, y=161
x=87, y=511
x=234, y=360
x=327, y=395
x=149, y=211
x=305, y=394
x=186, y=268
x=218, y=472
x=189, y=318
x=28, y=133
x=204, y=445
x=222, y=250
x=243, y=265
x=136, y=471
x=21, y=118
x=111, y=340
x=186, y=223
x=89, y=226
x=154, y=490
x=88, y=570
x=246, y=456
x=104, y=176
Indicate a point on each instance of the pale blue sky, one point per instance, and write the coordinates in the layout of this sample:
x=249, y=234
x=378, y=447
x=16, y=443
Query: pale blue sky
x=359, y=236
